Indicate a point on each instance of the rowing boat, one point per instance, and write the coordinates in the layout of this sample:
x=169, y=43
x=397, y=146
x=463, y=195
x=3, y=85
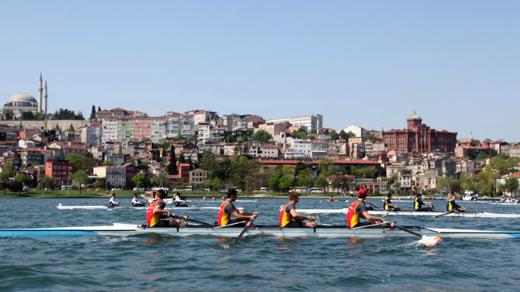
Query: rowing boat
x=101, y=207
x=414, y=213
x=120, y=229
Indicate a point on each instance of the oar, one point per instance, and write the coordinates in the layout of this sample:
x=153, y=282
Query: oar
x=444, y=214
x=244, y=230
x=428, y=241
x=186, y=218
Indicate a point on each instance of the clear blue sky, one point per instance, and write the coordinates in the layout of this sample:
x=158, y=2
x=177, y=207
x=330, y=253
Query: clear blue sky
x=455, y=62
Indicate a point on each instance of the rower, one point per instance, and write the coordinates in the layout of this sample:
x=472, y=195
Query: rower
x=419, y=204
x=229, y=214
x=358, y=210
x=156, y=211
x=388, y=206
x=290, y=218
x=179, y=201
x=453, y=206
x=136, y=202
x=112, y=202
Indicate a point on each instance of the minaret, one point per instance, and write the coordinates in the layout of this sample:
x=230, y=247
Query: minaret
x=40, y=93
x=45, y=96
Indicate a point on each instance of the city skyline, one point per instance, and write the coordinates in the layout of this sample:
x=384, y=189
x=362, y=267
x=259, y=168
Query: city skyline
x=364, y=64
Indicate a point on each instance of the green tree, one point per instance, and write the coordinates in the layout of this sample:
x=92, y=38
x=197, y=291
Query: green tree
x=333, y=135
x=80, y=178
x=172, y=166
x=302, y=133
x=28, y=116
x=66, y=114
x=321, y=182
x=510, y=185
x=8, y=169
x=262, y=136
x=140, y=180
x=46, y=183
x=448, y=184
x=345, y=136
x=81, y=162
x=8, y=115
x=93, y=113
x=305, y=178
x=243, y=171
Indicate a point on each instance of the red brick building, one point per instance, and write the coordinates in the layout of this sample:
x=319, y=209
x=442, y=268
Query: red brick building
x=419, y=138
x=60, y=171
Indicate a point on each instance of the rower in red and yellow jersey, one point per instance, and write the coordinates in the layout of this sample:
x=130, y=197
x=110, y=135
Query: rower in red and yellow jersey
x=290, y=218
x=229, y=214
x=156, y=213
x=358, y=211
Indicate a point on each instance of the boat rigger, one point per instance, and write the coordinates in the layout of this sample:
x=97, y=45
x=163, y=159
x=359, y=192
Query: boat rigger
x=119, y=229
x=415, y=213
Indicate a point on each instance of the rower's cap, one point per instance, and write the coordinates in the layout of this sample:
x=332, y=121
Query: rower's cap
x=362, y=193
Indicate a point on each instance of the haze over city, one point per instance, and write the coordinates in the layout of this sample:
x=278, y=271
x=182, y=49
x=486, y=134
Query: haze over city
x=363, y=63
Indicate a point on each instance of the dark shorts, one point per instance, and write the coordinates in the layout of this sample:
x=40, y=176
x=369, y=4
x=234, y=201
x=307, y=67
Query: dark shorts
x=163, y=223
x=425, y=209
x=295, y=225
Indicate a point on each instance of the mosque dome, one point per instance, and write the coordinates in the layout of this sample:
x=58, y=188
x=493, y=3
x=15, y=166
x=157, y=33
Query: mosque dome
x=22, y=96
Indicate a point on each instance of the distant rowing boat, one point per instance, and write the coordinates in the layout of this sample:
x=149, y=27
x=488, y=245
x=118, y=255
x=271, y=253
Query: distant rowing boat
x=414, y=213
x=118, y=229
x=101, y=207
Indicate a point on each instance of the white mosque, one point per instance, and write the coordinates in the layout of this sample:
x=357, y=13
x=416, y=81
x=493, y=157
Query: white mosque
x=24, y=102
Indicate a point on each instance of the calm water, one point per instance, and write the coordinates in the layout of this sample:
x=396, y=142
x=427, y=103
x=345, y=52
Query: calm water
x=156, y=263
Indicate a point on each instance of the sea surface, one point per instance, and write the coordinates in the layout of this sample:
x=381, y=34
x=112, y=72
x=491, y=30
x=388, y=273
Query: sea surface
x=163, y=263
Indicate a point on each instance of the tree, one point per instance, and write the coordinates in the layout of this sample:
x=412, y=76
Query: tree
x=345, y=136
x=333, y=135
x=448, y=184
x=262, y=136
x=8, y=115
x=243, y=171
x=46, y=183
x=172, y=166
x=28, y=116
x=8, y=169
x=140, y=180
x=321, y=182
x=510, y=185
x=208, y=162
x=81, y=162
x=305, y=178
x=80, y=178
x=66, y=114
x=93, y=113
x=301, y=133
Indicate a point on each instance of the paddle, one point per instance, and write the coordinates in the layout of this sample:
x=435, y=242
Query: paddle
x=186, y=218
x=428, y=241
x=444, y=214
x=244, y=230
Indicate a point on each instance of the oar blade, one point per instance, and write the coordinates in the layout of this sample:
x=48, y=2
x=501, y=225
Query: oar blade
x=429, y=241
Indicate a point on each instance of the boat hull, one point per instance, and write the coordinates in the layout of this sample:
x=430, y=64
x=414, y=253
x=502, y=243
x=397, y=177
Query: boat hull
x=319, y=232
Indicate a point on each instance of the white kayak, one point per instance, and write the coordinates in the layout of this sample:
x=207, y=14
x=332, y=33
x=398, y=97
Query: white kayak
x=118, y=229
x=414, y=213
